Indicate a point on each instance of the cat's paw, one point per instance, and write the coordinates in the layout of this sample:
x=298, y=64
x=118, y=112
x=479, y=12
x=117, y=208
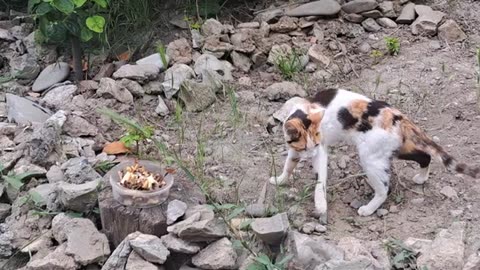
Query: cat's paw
x=278, y=180
x=365, y=211
x=420, y=179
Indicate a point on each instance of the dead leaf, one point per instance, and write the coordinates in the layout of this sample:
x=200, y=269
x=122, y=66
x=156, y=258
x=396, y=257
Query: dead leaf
x=170, y=170
x=116, y=148
x=125, y=56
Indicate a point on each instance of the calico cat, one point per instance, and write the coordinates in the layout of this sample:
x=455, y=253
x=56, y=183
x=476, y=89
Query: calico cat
x=379, y=132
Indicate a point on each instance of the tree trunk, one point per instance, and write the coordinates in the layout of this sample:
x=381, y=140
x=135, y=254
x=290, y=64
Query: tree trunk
x=77, y=58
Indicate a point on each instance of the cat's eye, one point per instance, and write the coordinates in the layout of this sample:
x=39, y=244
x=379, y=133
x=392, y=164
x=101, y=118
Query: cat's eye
x=317, y=134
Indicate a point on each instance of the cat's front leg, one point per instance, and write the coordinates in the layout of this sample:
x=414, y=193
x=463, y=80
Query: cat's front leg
x=320, y=166
x=292, y=160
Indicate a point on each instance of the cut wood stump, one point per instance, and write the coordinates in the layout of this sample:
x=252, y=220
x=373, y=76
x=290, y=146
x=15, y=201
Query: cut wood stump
x=119, y=220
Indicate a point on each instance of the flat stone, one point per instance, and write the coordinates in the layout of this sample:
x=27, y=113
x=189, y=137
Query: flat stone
x=78, y=197
x=316, y=55
x=110, y=88
x=175, y=210
x=133, y=87
x=372, y=252
x=387, y=23
x=218, y=255
x=386, y=7
x=241, y=61
x=450, y=31
x=51, y=75
x=198, y=96
x=46, y=192
x=55, y=174
x=359, y=6
x=24, y=67
x=150, y=247
x=24, y=111
x=77, y=126
x=154, y=59
x=213, y=70
x=315, y=8
x=354, y=18
x=375, y=14
x=217, y=47
x=5, y=35
x=120, y=255
x=106, y=70
x=197, y=39
x=174, y=77
x=175, y=244
x=199, y=227
x=284, y=91
x=249, y=25
x=371, y=25
x=212, y=27
x=162, y=108
x=180, y=51
x=140, y=73
x=59, y=96
x=407, y=15
x=278, y=52
x=57, y=260
x=271, y=230
x=136, y=262
x=284, y=25
x=256, y=210
x=427, y=22
x=242, y=41
x=449, y=192
x=79, y=170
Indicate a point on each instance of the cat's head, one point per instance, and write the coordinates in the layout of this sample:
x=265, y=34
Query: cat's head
x=301, y=129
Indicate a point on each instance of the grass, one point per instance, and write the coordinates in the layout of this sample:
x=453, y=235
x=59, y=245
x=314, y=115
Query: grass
x=289, y=64
x=376, y=55
x=163, y=54
x=401, y=256
x=393, y=45
x=235, y=114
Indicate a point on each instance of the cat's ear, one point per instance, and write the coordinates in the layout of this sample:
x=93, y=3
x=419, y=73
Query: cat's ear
x=291, y=129
x=315, y=116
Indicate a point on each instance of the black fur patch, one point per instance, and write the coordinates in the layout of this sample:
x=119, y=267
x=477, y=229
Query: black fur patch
x=303, y=117
x=447, y=159
x=364, y=126
x=396, y=118
x=324, y=97
x=420, y=157
x=346, y=118
x=374, y=107
x=297, y=159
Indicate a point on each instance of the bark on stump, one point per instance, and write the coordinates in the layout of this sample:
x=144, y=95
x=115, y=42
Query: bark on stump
x=119, y=220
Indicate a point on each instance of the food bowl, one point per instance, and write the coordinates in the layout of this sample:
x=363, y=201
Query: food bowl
x=141, y=198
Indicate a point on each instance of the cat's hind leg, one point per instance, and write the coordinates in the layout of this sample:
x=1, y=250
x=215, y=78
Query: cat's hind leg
x=423, y=159
x=292, y=160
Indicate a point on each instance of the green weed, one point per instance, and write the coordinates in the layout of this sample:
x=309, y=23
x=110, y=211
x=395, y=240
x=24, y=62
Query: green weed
x=393, y=45
x=163, y=54
x=401, y=256
x=376, y=55
x=235, y=114
x=289, y=64
x=263, y=262
x=103, y=167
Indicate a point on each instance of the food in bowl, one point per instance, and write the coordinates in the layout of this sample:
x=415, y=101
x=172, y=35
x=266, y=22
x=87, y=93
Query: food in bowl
x=136, y=177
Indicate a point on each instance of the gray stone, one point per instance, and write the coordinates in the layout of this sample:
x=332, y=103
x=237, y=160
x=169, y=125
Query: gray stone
x=382, y=212
x=316, y=8
x=111, y=89
x=386, y=7
x=256, y=210
x=150, y=248
x=142, y=73
x=40, y=244
x=5, y=35
x=320, y=228
x=359, y=6
x=447, y=249
x=241, y=61
x=418, y=245
x=449, y=192
x=271, y=230
x=120, y=255
x=153, y=88
x=375, y=14
x=197, y=39
x=212, y=27
x=46, y=192
x=5, y=209
x=7, y=129
x=249, y=25
x=356, y=203
x=427, y=22
x=450, y=31
x=217, y=47
x=24, y=67
x=77, y=126
x=218, y=255
x=284, y=25
x=198, y=96
x=174, y=77
x=59, y=96
x=269, y=16
x=57, y=260
x=78, y=197
x=161, y=108
x=473, y=262
x=284, y=91
x=279, y=52
x=407, y=15
x=154, y=59
x=180, y=51
x=387, y=23
x=51, y=75
x=371, y=25
x=55, y=174
x=105, y=71
x=259, y=59
x=136, y=262
x=213, y=70
x=242, y=41
x=133, y=87
x=175, y=210
x=175, y=244
x=84, y=243
x=315, y=52
x=308, y=227
x=78, y=171
x=179, y=21
x=354, y=18
x=367, y=251
x=6, y=143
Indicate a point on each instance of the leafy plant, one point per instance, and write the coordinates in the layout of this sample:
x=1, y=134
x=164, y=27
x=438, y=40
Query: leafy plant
x=17, y=181
x=393, y=45
x=263, y=262
x=376, y=55
x=71, y=21
x=289, y=64
x=401, y=256
x=193, y=23
x=103, y=167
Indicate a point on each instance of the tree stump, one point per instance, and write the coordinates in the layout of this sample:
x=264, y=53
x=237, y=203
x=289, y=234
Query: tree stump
x=119, y=220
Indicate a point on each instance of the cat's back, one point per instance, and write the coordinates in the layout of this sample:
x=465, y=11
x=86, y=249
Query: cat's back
x=334, y=98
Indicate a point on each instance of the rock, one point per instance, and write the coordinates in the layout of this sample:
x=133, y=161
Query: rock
x=356, y=203
x=242, y=41
x=7, y=129
x=427, y=21
x=366, y=251
x=51, y=75
x=80, y=198
x=218, y=255
x=371, y=25
x=310, y=251
x=174, y=77
x=198, y=96
x=77, y=126
x=473, y=262
x=136, y=262
x=133, y=87
x=213, y=70
x=150, y=248
x=59, y=96
x=83, y=241
x=40, y=244
x=243, y=81
x=109, y=88
x=316, y=8
x=447, y=249
x=212, y=27
x=57, y=260
x=105, y=71
x=449, y=192
x=179, y=51
x=386, y=7
x=24, y=67
x=407, y=15
x=278, y=52
x=5, y=35
x=155, y=59
x=256, y=210
x=241, y=61
x=197, y=39
x=269, y=15
x=387, y=23
x=153, y=88
x=249, y=25
x=79, y=171
x=175, y=210
x=120, y=255
x=284, y=25
x=259, y=59
x=87, y=85
x=320, y=228
x=179, y=21
x=375, y=14
x=6, y=143
x=161, y=108
x=316, y=55
x=55, y=174
x=418, y=245
x=382, y=212
x=216, y=47
x=450, y=31
x=308, y=227
x=354, y=18
x=46, y=192
x=175, y=244
x=359, y=6
x=142, y=73
x=4, y=211
x=284, y=91
x=271, y=230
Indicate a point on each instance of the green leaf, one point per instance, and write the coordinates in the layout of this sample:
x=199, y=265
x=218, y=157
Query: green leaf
x=73, y=26
x=101, y=3
x=23, y=200
x=245, y=224
x=263, y=259
x=256, y=266
x=36, y=197
x=96, y=23
x=225, y=206
x=235, y=213
x=55, y=32
x=74, y=214
x=79, y=3
x=14, y=181
x=43, y=9
x=284, y=260
x=65, y=6
x=32, y=4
